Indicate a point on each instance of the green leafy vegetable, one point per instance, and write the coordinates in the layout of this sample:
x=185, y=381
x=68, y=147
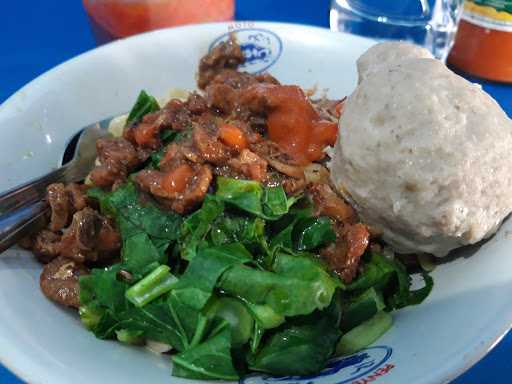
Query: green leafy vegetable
x=417, y=296
x=208, y=360
x=168, y=135
x=191, y=323
x=298, y=285
x=140, y=254
x=310, y=233
x=256, y=337
x=102, y=288
x=101, y=300
x=90, y=315
x=124, y=203
x=391, y=277
x=157, y=156
x=146, y=230
x=282, y=229
x=197, y=283
x=243, y=290
x=364, y=334
x=231, y=229
x=156, y=322
x=265, y=316
x=238, y=317
x=102, y=296
x=275, y=203
x=143, y=105
x=127, y=336
x=300, y=230
x=197, y=226
x=244, y=194
x=250, y=196
x=301, y=346
x=361, y=308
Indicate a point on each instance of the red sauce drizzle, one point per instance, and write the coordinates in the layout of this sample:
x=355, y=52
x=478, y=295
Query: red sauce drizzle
x=294, y=124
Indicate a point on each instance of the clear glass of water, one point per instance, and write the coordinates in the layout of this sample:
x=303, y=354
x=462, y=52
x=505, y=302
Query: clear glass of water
x=430, y=23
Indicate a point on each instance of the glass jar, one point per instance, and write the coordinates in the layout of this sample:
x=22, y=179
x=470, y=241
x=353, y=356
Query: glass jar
x=430, y=23
x=483, y=45
x=112, y=19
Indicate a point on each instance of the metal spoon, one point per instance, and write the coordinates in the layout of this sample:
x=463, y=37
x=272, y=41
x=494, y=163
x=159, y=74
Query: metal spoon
x=22, y=207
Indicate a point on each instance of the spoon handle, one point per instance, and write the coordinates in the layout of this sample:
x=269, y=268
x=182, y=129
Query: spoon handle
x=18, y=223
x=30, y=192
x=22, y=208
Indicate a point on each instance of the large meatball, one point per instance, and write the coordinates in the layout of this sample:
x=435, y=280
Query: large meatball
x=425, y=156
x=387, y=54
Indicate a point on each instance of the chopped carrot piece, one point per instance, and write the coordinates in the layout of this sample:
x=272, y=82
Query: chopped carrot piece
x=232, y=136
x=146, y=135
x=176, y=180
x=358, y=239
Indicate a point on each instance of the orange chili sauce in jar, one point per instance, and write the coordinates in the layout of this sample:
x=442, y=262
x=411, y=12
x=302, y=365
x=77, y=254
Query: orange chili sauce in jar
x=113, y=19
x=483, y=45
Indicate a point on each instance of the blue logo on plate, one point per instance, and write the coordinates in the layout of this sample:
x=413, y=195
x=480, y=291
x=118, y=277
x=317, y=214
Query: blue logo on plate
x=341, y=370
x=261, y=48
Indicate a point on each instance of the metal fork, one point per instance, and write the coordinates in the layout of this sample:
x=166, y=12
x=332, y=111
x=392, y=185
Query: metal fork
x=23, y=207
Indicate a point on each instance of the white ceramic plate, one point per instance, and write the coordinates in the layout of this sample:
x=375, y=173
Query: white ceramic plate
x=470, y=307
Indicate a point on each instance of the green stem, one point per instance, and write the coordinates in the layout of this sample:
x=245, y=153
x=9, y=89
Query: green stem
x=364, y=334
x=199, y=333
x=129, y=336
x=256, y=338
x=155, y=284
x=90, y=316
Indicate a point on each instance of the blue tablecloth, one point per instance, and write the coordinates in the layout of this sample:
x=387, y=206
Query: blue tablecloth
x=37, y=35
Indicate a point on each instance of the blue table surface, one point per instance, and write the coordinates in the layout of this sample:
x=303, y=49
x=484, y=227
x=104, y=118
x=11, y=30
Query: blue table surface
x=37, y=35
